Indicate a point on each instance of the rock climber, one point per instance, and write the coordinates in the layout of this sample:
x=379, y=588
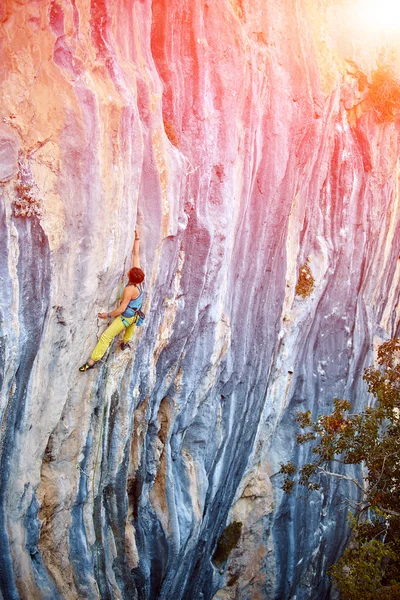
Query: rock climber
x=125, y=315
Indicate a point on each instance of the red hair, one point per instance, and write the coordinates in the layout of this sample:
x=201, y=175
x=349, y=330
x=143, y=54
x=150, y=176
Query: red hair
x=135, y=275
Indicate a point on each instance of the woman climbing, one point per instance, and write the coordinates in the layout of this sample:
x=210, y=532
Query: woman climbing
x=126, y=312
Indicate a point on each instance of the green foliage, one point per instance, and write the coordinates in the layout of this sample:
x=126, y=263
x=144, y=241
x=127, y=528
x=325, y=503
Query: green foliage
x=372, y=567
x=384, y=94
x=370, y=438
x=288, y=469
x=305, y=282
x=227, y=542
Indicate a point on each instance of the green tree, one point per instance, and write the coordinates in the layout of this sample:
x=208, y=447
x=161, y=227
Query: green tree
x=371, y=438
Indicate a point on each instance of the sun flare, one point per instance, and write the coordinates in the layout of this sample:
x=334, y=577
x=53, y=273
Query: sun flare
x=381, y=15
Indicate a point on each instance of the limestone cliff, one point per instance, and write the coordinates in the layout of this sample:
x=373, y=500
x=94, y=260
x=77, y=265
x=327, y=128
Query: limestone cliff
x=240, y=137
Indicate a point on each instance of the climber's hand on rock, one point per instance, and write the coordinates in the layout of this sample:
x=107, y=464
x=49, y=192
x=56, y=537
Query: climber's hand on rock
x=103, y=316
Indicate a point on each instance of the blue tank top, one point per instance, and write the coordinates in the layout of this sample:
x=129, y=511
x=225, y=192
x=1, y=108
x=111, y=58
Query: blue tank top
x=134, y=305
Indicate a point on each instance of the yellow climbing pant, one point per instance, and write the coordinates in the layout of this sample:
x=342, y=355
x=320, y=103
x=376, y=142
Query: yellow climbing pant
x=109, y=334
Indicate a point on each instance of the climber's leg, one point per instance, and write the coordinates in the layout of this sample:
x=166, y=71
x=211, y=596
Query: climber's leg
x=106, y=338
x=130, y=331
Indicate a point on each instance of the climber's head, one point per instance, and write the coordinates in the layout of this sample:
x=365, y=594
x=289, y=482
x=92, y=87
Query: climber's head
x=135, y=275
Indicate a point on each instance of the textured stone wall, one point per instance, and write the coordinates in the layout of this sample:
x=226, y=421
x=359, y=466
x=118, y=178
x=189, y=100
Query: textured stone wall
x=236, y=136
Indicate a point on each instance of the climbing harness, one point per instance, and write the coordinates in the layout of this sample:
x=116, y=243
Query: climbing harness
x=139, y=317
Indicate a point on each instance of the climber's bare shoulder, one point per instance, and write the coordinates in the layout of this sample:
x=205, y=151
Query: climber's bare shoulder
x=132, y=291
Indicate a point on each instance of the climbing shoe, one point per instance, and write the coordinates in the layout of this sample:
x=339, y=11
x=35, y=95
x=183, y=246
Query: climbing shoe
x=86, y=367
x=124, y=346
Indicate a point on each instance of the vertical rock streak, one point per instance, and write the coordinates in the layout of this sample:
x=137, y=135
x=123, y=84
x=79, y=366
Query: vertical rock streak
x=220, y=131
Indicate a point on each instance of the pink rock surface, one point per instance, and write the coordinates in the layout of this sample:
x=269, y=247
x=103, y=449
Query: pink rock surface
x=239, y=140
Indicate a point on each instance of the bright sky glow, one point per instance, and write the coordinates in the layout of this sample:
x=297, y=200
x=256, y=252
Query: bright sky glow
x=383, y=15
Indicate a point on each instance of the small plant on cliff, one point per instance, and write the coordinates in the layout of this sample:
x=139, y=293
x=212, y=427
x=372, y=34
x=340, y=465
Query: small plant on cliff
x=227, y=542
x=384, y=94
x=170, y=133
x=305, y=282
x=371, y=439
x=28, y=200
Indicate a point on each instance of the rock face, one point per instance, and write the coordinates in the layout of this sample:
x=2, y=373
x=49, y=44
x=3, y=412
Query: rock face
x=243, y=141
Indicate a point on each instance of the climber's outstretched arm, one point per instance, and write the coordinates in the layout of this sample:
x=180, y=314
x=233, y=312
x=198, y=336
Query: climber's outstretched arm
x=136, y=262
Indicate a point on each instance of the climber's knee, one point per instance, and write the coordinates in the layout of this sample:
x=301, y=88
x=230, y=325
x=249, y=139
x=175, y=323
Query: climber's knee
x=129, y=333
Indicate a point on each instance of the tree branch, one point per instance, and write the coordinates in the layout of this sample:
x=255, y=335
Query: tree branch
x=388, y=511
x=345, y=477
